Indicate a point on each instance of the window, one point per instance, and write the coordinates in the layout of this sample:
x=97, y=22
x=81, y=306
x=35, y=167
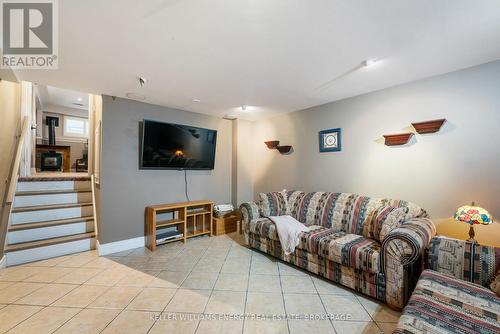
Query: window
x=76, y=127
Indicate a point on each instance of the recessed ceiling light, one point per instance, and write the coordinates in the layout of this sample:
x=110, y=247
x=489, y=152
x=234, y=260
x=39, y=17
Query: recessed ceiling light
x=79, y=99
x=196, y=100
x=370, y=62
x=135, y=96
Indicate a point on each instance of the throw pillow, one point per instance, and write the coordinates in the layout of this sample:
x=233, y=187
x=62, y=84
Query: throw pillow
x=384, y=220
x=495, y=285
x=273, y=204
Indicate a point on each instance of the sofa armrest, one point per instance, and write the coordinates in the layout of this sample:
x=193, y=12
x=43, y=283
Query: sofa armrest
x=407, y=243
x=463, y=260
x=249, y=211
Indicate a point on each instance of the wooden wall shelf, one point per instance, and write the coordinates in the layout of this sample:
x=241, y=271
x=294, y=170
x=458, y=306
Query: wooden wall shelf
x=275, y=144
x=397, y=139
x=429, y=126
x=284, y=149
x=191, y=218
x=272, y=144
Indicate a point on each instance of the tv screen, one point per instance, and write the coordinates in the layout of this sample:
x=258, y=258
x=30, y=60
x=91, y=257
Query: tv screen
x=174, y=146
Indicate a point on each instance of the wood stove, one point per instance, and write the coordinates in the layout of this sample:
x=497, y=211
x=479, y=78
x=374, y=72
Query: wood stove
x=51, y=160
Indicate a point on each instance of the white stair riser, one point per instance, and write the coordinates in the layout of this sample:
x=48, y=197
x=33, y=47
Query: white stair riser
x=52, y=185
x=46, y=252
x=70, y=198
x=34, y=234
x=52, y=214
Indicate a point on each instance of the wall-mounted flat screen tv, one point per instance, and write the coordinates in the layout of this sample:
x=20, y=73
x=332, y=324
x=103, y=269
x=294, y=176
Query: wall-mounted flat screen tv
x=175, y=146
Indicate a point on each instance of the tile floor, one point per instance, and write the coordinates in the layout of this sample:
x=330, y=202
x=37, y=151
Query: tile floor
x=180, y=289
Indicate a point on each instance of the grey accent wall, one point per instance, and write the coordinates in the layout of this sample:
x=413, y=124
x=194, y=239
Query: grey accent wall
x=441, y=171
x=125, y=190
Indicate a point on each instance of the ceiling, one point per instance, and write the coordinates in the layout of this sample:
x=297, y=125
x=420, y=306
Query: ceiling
x=55, y=96
x=274, y=56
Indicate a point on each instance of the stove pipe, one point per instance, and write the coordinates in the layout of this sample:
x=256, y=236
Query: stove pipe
x=52, y=122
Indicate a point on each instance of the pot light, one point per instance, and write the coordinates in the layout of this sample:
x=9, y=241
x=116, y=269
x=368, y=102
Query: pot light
x=370, y=62
x=244, y=107
x=79, y=99
x=196, y=100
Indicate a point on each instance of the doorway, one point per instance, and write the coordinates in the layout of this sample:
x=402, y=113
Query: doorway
x=63, y=132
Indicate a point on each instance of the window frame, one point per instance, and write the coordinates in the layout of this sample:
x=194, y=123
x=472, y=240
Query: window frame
x=73, y=134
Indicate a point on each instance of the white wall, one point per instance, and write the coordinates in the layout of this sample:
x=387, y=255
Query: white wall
x=441, y=171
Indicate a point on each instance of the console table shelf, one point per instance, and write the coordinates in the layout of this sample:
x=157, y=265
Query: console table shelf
x=169, y=222
x=191, y=218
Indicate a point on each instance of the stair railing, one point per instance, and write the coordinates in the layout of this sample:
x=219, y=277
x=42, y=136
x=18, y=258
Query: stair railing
x=11, y=183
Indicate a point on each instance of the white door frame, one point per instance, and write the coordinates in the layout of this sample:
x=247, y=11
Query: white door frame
x=28, y=108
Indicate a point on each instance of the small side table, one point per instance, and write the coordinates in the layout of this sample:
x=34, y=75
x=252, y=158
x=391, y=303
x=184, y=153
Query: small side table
x=226, y=224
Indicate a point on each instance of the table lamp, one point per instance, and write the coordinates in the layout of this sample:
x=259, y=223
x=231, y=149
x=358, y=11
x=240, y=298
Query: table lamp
x=472, y=214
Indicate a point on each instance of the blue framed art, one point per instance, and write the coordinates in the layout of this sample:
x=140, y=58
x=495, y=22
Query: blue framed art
x=330, y=140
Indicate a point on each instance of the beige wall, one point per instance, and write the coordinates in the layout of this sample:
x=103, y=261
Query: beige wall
x=485, y=234
x=10, y=105
x=243, y=157
x=441, y=171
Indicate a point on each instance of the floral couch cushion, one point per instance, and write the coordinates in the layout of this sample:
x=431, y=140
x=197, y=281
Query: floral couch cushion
x=370, y=217
x=264, y=227
x=273, y=204
x=344, y=248
x=464, y=260
x=443, y=304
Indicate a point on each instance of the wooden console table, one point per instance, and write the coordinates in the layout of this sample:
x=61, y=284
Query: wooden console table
x=191, y=219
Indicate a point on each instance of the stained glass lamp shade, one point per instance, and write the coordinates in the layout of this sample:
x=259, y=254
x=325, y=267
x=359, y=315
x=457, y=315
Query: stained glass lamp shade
x=472, y=215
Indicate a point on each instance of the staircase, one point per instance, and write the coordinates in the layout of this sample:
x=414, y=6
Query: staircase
x=50, y=217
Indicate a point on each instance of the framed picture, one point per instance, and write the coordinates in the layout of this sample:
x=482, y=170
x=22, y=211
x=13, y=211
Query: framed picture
x=330, y=140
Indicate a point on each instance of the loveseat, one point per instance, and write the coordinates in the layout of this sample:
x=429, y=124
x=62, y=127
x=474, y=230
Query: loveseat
x=453, y=295
x=372, y=245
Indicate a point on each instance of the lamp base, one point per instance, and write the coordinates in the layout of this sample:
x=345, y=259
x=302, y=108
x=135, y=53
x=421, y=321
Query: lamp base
x=471, y=235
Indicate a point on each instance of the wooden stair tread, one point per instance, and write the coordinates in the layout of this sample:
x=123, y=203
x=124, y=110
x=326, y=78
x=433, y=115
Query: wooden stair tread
x=50, y=207
x=48, y=223
x=48, y=242
x=52, y=192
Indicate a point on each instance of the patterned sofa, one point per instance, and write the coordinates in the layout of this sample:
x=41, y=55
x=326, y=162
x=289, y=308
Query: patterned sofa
x=372, y=245
x=452, y=296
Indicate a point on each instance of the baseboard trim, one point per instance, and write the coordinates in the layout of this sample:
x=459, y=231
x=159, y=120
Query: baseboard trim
x=119, y=246
x=3, y=262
